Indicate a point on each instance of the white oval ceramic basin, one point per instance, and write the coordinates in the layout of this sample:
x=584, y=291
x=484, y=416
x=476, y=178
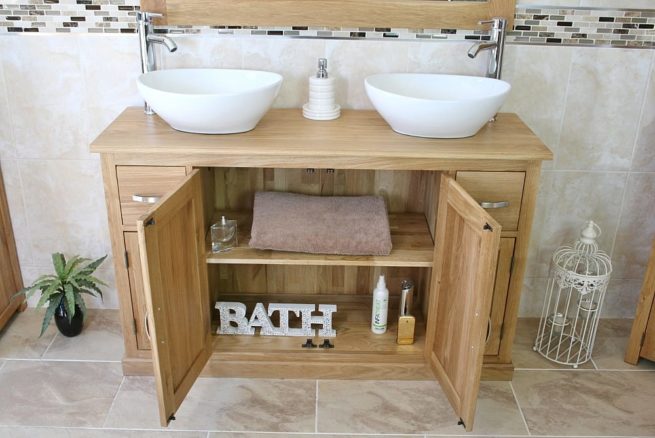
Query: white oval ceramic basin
x=436, y=106
x=210, y=101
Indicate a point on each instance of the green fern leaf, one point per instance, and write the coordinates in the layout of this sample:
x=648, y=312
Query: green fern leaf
x=70, y=301
x=59, y=261
x=49, y=314
x=80, y=303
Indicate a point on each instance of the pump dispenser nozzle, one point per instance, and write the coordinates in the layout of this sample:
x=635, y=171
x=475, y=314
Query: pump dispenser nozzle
x=322, y=68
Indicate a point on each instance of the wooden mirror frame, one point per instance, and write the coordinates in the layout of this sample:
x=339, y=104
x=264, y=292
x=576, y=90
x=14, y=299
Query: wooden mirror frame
x=412, y=14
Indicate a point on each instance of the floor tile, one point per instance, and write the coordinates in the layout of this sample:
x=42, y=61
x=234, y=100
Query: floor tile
x=587, y=402
x=36, y=393
x=410, y=408
x=611, y=342
x=222, y=405
x=101, y=339
x=523, y=356
x=20, y=337
x=308, y=435
x=47, y=432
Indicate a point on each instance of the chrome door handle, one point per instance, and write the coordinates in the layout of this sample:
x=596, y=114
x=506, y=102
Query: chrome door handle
x=499, y=204
x=146, y=199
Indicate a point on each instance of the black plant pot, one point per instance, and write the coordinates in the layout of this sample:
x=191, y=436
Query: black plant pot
x=69, y=328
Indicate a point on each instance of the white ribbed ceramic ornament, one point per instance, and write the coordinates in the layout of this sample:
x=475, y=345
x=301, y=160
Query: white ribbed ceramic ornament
x=575, y=293
x=321, y=105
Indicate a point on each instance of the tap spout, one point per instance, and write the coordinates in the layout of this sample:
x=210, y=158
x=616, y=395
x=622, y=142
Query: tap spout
x=478, y=47
x=164, y=40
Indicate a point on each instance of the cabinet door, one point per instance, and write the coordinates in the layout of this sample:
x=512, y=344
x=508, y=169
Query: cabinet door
x=10, y=278
x=501, y=287
x=172, y=247
x=467, y=243
x=648, y=349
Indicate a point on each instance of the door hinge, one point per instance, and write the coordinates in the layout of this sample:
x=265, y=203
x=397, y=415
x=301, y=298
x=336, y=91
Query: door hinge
x=643, y=339
x=150, y=221
x=461, y=423
x=133, y=326
x=126, y=259
x=487, y=227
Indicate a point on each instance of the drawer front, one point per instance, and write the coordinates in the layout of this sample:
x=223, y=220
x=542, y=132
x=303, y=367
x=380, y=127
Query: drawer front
x=140, y=186
x=500, y=193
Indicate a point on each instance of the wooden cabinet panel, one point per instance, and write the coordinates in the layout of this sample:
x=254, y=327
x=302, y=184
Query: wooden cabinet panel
x=134, y=270
x=172, y=247
x=648, y=349
x=501, y=287
x=496, y=188
x=10, y=277
x=464, y=266
x=145, y=181
x=642, y=336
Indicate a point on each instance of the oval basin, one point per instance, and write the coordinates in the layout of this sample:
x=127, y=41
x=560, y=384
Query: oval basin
x=210, y=101
x=434, y=105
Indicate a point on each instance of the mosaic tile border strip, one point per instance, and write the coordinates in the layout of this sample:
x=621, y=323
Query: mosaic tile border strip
x=534, y=25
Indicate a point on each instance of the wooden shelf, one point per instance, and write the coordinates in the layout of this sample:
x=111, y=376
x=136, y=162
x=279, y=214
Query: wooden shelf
x=410, y=236
x=355, y=344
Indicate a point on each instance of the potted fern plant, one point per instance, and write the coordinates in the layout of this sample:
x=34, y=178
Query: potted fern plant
x=62, y=292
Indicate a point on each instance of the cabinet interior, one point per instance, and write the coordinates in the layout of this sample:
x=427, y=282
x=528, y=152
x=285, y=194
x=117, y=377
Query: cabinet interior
x=251, y=276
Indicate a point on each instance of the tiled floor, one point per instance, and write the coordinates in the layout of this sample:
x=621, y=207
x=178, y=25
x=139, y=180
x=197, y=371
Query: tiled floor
x=59, y=387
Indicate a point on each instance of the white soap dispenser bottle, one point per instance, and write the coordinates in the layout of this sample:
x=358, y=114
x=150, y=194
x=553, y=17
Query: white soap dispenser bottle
x=321, y=105
x=380, y=307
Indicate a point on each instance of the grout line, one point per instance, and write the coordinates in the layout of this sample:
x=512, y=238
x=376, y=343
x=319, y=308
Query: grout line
x=104, y=422
x=564, y=111
x=316, y=410
x=594, y=364
x=49, y=345
x=20, y=359
x=516, y=399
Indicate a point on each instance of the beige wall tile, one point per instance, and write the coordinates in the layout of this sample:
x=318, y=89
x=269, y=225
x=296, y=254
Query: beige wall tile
x=445, y=57
x=621, y=298
x=19, y=219
x=644, y=158
x=66, y=212
x=7, y=147
x=569, y=199
x=295, y=59
x=201, y=51
x=62, y=393
x=532, y=296
x=45, y=88
x=353, y=61
x=605, y=97
x=636, y=231
x=539, y=78
x=110, y=67
x=547, y=3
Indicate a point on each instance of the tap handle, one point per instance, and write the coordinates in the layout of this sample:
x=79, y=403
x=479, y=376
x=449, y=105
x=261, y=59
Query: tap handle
x=147, y=16
x=496, y=22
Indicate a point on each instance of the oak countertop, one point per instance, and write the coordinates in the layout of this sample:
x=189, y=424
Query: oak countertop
x=286, y=133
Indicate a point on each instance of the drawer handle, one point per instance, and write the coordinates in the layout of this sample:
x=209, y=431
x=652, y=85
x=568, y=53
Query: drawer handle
x=146, y=326
x=146, y=199
x=499, y=204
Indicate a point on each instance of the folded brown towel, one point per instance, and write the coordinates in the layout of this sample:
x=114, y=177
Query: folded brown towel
x=347, y=225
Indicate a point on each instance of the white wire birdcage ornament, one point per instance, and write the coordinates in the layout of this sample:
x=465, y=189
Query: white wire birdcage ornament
x=579, y=276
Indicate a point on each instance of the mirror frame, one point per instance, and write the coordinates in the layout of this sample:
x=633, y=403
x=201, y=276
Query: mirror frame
x=411, y=14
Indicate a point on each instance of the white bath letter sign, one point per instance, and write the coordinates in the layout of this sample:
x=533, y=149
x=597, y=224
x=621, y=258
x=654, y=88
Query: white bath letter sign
x=233, y=319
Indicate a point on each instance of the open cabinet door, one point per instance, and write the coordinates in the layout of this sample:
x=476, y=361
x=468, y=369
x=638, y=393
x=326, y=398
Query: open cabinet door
x=467, y=241
x=171, y=243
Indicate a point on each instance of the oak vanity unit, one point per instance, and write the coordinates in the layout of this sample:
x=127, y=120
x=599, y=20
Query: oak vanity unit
x=466, y=261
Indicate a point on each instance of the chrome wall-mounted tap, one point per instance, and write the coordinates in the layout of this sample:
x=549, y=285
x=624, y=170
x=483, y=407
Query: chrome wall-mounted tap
x=146, y=41
x=496, y=45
